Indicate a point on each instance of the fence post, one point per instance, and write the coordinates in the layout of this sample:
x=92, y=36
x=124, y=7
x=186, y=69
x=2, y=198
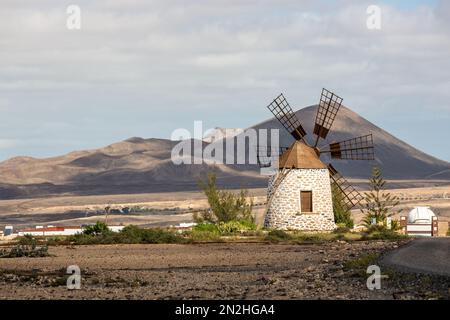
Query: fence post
x=403, y=224
x=434, y=227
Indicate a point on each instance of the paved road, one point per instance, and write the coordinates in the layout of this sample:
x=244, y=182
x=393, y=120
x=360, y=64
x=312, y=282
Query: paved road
x=425, y=255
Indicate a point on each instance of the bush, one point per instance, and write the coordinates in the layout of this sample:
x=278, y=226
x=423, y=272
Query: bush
x=25, y=251
x=248, y=225
x=395, y=225
x=317, y=237
x=231, y=227
x=206, y=227
x=224, y=206
x=130, y=234
x=85, y=239
x=27, y=240
x=99, y=228
x=341, y=228
x=342, y=214
x=360, y=264
x=376, y=228
x=212, y=232
x=27, y=247
x=278, y=235
x=56, y=240
x=134, y=234
x=380, y=232
x=205, y=232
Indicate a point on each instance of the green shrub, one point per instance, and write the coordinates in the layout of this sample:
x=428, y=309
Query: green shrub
x=248, y=225
x=232, y=227
x=99, y=228
x=341, y=228
x=86, y=239
x=224, y=206
x=27, y=240
x=380, y=232
x=315, y=237
x=50, y=241
x=205, y=232
x=376, y=228
x=278, y=235
x=130, y=234
x=361, y=263
x=395, y=225
x=308, y=237
x=342, y=214
x=27, y=247
x=209, y=227
x=152, y=235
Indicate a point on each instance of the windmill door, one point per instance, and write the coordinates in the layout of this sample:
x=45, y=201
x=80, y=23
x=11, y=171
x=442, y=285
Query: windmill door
x=306, y=201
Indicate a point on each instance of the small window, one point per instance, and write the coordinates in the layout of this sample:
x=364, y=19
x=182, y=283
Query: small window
x=306, y=201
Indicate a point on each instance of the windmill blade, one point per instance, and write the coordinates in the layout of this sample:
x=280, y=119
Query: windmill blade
x=283, y=112
x=360, y=148
x=329, y=106
x=351, y=197
x=266, y=155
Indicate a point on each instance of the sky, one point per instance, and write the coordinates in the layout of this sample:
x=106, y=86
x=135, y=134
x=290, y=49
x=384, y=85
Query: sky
x=146, y=68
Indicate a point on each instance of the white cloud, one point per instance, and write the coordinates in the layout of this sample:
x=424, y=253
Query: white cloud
x=7, y=143
x=181, y=60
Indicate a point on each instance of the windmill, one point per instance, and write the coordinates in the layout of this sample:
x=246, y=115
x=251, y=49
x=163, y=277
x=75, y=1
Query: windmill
x=300, y=193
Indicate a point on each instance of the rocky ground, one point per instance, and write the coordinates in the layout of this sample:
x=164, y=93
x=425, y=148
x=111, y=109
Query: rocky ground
x=335, y=270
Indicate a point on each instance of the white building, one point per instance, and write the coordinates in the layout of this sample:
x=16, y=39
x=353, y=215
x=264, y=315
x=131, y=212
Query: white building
x=421, y=215
x=8, y=230
x=420, y=221
x=49, y=231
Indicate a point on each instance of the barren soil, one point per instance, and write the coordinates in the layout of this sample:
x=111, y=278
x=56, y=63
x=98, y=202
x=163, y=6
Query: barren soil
x=213, y=271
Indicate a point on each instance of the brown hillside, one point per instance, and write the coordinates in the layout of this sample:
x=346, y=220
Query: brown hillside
x=141, y=165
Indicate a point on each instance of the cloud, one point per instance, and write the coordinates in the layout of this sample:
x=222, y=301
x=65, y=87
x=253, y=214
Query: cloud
x=7, y=143
x=144, y=68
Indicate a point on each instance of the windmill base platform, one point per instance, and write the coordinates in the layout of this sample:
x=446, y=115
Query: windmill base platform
x=284, y=211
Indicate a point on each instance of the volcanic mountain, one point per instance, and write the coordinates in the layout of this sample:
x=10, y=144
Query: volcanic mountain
x=141, y=165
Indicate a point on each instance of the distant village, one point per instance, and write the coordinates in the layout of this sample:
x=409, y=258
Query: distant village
x=49, y=231
x=420, y=221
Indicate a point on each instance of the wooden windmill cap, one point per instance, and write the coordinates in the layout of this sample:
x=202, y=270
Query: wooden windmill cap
x=300, y=156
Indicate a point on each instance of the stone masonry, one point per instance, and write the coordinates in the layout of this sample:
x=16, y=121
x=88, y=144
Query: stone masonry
x=284, y=210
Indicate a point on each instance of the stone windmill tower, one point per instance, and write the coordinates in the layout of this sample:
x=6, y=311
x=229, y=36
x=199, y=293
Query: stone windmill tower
x=299, y=195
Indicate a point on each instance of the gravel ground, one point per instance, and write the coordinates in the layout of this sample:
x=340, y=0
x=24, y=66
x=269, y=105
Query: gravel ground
x=215, y=271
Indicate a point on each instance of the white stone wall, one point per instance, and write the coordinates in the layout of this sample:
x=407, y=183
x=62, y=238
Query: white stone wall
x=284, y=210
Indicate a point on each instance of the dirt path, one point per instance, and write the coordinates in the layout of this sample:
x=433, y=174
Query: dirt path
x=427, y=255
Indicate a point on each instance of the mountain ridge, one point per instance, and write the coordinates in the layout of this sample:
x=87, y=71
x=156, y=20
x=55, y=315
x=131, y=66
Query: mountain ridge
x=138, y=165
